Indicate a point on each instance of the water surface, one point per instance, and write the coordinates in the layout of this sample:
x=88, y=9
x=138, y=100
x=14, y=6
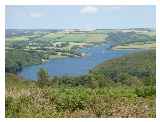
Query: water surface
x=72, y=66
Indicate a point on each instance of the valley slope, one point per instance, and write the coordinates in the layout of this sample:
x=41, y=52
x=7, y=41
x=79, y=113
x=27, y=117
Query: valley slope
x=122, y=87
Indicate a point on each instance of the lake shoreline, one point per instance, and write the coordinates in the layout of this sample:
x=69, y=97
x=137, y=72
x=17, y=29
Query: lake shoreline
x=80, y=65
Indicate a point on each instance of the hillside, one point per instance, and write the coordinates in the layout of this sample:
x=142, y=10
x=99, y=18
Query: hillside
x=122, y=87
x=131, y=69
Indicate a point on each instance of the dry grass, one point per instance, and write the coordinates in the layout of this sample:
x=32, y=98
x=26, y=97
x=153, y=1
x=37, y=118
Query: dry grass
x=49, y=102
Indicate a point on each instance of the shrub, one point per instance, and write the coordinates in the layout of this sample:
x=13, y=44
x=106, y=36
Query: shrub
x=100, y=105
x=145, y=91
x=42, y=77
x=71, y=100
x=11, y=107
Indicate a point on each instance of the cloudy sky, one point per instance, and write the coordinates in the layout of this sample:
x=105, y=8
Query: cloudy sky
x=58, y=17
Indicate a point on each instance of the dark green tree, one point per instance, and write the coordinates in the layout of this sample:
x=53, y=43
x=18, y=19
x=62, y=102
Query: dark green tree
x=42, y=76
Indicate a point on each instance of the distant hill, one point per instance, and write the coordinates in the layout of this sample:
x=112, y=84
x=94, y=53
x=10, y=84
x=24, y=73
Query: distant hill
x=18, y=32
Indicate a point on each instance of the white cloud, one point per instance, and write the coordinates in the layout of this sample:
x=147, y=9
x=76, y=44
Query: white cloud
x=36, y=15
x=89, y=10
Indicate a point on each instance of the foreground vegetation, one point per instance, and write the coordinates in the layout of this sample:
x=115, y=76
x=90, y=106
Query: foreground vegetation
x=122, y=87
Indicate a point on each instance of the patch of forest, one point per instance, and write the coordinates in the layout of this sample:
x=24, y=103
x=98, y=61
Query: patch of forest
x=15, y=60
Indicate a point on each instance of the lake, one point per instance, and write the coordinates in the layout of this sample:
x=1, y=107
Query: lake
x=75, y=66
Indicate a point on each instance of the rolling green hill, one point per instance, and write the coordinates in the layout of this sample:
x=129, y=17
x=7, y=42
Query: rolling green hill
x=131, y=69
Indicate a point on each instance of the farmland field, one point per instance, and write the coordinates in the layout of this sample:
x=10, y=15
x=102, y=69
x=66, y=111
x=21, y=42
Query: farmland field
x=135, y=45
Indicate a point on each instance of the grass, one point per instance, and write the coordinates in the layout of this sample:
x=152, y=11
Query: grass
x=62, y=37
x=76, y=102
x=148, y=33
x=136, y=45
x=16, y=39
x=53, y=37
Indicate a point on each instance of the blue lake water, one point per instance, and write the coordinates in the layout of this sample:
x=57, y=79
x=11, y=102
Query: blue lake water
x=75, y=66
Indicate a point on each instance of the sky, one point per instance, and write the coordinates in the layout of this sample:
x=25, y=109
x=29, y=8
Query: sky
x=88, y=17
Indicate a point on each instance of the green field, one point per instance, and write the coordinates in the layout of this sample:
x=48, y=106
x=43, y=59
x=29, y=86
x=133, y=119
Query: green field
x=136, y=45
x=60, y=37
